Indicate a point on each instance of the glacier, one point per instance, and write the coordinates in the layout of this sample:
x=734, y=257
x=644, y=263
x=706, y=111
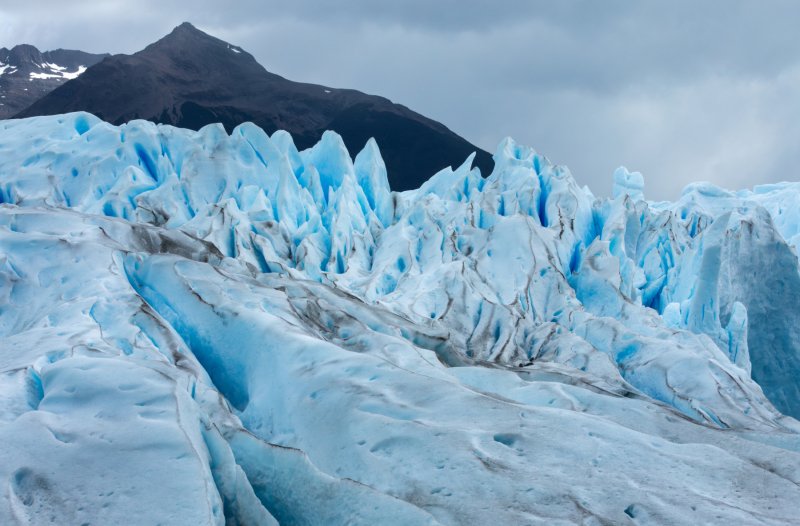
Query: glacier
x=203, y=328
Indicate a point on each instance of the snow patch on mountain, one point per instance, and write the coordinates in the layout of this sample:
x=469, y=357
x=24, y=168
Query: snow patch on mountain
x=57, y=72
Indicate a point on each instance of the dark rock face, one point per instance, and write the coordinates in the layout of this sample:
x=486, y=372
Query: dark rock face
x=190, y=79
x=26, y=74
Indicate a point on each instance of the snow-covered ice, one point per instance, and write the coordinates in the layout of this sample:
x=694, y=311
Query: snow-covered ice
x=201, y=328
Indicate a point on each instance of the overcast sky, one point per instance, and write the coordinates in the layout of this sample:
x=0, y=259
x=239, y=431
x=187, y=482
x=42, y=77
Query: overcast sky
x=679, y=90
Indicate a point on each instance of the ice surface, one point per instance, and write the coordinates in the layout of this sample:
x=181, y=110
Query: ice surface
x=232, y=331
x=628, y=183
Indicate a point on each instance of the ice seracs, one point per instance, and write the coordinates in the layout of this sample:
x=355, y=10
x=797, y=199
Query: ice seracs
x=319, y=349
x=628, y=183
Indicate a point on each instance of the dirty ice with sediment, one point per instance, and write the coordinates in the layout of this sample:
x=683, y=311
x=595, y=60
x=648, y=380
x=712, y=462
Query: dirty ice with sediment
x=203, y=328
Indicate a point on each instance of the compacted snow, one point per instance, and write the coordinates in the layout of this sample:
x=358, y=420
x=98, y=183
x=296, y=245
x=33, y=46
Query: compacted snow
x=198, y=328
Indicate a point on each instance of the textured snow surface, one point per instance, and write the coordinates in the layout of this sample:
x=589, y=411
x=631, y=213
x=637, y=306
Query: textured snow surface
x=198, y=328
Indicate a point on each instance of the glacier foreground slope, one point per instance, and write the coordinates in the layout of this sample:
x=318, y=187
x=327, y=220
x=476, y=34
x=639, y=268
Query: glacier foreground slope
x=199, y=328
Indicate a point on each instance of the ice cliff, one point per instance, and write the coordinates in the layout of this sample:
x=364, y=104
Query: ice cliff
x=227, y=330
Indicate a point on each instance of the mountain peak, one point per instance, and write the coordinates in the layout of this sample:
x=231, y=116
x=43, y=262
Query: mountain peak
x=186, y=28
x=24, y=53
x=186, y=44
x=190, y=79
x=186, y=33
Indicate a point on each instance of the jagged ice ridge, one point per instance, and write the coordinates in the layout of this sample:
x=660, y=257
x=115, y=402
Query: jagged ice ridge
x=230, y=330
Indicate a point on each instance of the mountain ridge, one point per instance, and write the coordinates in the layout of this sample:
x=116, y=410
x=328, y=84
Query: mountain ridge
x=189, y=79
x=27, y=74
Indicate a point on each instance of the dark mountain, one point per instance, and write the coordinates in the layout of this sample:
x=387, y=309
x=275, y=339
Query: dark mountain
x=190, y=79
x=26, y=74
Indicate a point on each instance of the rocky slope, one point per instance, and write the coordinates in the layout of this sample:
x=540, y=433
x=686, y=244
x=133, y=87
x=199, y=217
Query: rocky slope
x=26, y=74
x=190, y=79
